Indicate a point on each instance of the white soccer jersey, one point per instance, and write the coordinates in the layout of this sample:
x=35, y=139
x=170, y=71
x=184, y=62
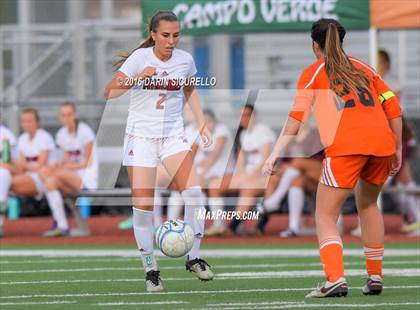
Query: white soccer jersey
x=31, y=148
x=252, y=142
x=156, y=105
x=73, y=144
x=220, y=165
x=7, y=134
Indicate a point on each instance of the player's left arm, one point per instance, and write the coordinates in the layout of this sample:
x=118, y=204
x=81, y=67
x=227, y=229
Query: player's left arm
x=193, y=100
x=81, y=165
x=42, y=161
x=265, y=152
x=391, y=106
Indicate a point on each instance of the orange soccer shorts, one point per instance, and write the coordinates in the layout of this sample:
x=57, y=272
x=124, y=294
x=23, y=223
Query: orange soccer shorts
x=344, y=171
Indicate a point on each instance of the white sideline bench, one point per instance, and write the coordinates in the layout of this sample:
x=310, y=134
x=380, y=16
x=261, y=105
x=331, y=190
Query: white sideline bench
x=126, y=192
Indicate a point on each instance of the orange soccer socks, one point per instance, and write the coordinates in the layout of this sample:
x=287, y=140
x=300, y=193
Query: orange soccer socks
x=374, y=255
x=331, y=252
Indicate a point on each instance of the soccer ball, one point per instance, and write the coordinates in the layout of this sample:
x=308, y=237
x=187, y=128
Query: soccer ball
x=175, y=238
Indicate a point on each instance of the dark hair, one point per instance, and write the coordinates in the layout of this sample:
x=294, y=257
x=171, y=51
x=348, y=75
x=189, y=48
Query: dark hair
x=385, y=55
x=249, y=106
x=153, y=25
x=329, y=34
x=210, y=113
x=68, y=104
x=31, y=111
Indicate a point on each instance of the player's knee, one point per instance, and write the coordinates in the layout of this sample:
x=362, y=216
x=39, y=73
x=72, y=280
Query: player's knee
x=5, y=173
x=298, y=182
x=51, y=183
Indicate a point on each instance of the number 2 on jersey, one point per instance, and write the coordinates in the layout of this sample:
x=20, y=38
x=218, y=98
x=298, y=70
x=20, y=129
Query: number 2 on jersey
x=159, y=103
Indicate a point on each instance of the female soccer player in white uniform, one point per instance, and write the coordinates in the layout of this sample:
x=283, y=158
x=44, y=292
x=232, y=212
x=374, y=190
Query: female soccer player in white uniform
x=6, y=169
x=256, y=140
x=79, y=167
x=213, y=164
x=155, y=133
x=35, y=146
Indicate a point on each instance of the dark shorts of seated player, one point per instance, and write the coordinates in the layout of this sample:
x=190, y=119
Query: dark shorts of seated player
x=344, y=171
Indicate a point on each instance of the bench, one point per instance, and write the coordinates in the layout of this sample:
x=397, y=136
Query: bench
x=83, y=229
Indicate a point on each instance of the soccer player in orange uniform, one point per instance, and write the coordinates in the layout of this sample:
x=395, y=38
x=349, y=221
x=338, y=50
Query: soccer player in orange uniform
x=359, y=119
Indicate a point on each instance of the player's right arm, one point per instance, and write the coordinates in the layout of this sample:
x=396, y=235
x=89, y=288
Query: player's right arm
x=240, y=164
x=120, y=83
x=131, y=72
x=41, y=161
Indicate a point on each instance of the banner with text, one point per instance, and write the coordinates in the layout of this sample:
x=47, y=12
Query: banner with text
x=200, y=17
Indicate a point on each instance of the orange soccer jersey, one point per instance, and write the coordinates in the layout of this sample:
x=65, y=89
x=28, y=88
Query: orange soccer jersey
x=353, y=123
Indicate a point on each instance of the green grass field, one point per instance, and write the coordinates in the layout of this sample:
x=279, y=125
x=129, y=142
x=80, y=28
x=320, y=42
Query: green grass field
x=276, y=277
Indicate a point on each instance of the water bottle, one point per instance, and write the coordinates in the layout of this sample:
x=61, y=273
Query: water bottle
x=84, y=205
x=5, y=154
x=13, y=212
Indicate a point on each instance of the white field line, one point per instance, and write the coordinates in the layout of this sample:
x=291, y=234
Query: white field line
x=69, y=270
x=264, y=303
x=59, y=261
x=240, y=266
x=276, y=305
x=37, y=303
x=235, y=291
x=233, y=266
x=205, y=253
x=407, y=272
x=122, y=303
x=141, y=280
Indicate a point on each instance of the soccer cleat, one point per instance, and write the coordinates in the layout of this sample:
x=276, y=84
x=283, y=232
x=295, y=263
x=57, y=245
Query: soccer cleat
x=288, y=233
x=153, y=281
x=338, y=288
x=373, y=285
x=56, y=232
x=408, y=228
x=79, y=232
x=259, y=207
x=357, y=232
x=201, y=268
x=214, y=231
x=126, y=224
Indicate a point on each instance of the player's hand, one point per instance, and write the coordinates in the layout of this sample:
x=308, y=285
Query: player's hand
x=270, y=164
x=147, y=72
x=206, y=137
x=396, y=162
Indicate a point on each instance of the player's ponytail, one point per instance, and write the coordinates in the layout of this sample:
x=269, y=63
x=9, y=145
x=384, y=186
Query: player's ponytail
x=153, y=25
x=329, y=34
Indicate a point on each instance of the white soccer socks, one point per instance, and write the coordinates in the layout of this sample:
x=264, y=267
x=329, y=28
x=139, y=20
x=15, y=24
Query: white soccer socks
x=271, y=203
x=5, y=182
x=157, y=210
x=194, y=215
x=143, y=233
x=296, y=199
x=175, y=205
x=55, y=201
x=216, y=204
